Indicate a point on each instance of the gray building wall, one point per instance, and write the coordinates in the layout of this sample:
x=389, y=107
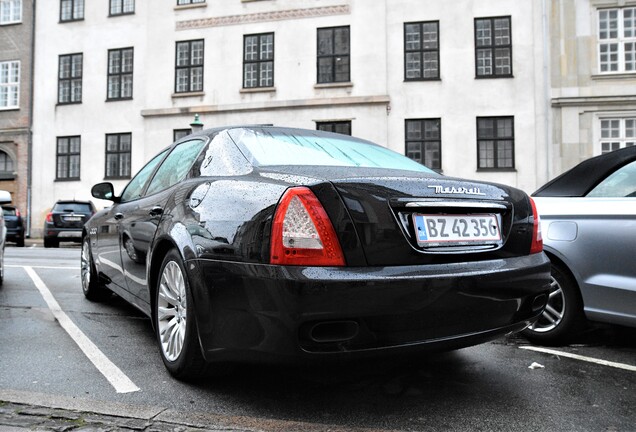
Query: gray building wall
x=583, y=95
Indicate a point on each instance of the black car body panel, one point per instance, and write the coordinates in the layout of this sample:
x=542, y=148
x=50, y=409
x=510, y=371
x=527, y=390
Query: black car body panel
x=391, y=294
x=14, y=224
x=255, y=311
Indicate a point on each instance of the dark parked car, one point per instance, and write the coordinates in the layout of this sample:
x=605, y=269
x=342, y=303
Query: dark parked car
x=588, y=216
x=274, y=244
x=65, y=221
x=5, y=198
x=13, y=222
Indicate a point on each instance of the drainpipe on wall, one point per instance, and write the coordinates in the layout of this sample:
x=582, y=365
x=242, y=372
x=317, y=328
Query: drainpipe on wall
x=30, y=137
x=546, y=91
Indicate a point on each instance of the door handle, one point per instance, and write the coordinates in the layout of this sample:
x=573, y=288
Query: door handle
x=156, y=211
x=119, y=216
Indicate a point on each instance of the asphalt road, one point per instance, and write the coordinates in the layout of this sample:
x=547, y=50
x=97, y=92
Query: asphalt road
x=502, y=385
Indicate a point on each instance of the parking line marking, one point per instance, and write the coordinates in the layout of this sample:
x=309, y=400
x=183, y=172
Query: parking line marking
x=112, y=373
x=582, y=358
x=45, y=267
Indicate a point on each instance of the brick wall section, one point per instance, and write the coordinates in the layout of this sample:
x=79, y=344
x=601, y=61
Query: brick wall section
x=15, y=44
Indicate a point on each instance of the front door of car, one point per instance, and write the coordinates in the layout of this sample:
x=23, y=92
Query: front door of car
x=139, y=225
x=137, y=231
x=106, y=249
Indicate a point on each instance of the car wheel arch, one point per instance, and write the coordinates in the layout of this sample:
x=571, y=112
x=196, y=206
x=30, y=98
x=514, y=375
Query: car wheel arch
x=561, y=261
x=159, y=251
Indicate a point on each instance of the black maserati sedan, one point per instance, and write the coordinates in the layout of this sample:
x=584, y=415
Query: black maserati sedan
x=270, y=244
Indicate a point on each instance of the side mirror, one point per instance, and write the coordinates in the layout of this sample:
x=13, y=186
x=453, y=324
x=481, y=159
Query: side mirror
x=5, y=197
x=104, y=191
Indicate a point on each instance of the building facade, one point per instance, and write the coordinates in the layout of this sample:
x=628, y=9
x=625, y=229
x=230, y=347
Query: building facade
x=593, y=63
x=461, y=86
x=16, y=53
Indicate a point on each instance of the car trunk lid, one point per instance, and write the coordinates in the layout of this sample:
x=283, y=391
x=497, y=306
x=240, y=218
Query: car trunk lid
x=419, y=219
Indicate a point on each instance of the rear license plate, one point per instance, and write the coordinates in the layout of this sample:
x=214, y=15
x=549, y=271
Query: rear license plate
x=70, y=234
x=72, y=218
x=449, y=230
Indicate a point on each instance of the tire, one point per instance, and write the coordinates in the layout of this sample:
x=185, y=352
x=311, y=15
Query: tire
x=174, y=321
x=51, y=243
x=2, y=267
x=563, y=317
x=91, y=286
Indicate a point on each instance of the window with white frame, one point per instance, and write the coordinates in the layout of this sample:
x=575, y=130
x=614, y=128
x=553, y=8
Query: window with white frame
x=617, y=133
x=334, y=53
x=424, y=141
x=6, y=166
x=118, y=148
x=189, y=67
x=258, y=60
x=421, y=50
x=71, y=10
x=9, y=85
x=10, y=11
x=493, y=47
x=495, y=143
x=341, y=126
x=68, y=158
x=122, y=7
x=69, y=88
x=617, y=40
x=177, y=134
x=120, y=74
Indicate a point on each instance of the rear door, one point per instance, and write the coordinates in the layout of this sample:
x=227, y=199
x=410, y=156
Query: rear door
x=139, y=224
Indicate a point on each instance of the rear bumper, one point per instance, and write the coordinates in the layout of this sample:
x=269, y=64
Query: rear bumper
x=63, y=234
x=15, y=233
x=251, y=312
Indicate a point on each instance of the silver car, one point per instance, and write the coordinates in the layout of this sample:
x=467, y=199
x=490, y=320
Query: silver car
x=588, y=223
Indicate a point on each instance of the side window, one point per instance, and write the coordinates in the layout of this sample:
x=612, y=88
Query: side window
x=136, y=185
x=176, y=166
x=620, y=184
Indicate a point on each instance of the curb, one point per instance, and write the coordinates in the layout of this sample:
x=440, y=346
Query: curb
x=20, y=410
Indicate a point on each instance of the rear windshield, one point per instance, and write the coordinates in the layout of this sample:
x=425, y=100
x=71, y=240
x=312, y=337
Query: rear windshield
x=8, y=211
x=72, y=207
x=269, y=148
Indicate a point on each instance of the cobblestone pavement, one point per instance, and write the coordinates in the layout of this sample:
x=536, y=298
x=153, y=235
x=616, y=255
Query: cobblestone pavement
x=17, y=417
x=21, y=417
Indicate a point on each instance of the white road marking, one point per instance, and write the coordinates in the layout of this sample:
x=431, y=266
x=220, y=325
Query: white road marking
x=582, y=358
x=45, y=267
x=112, y=373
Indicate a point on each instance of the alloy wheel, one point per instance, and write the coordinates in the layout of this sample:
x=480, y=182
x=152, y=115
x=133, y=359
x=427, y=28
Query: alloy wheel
x=554, y=310
x=172, y=311
x=85, y=266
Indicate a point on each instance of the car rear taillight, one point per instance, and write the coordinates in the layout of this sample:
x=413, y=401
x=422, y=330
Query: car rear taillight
x=17, y=213
x=302, y=233
x=49, y=217
x=537, y=238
